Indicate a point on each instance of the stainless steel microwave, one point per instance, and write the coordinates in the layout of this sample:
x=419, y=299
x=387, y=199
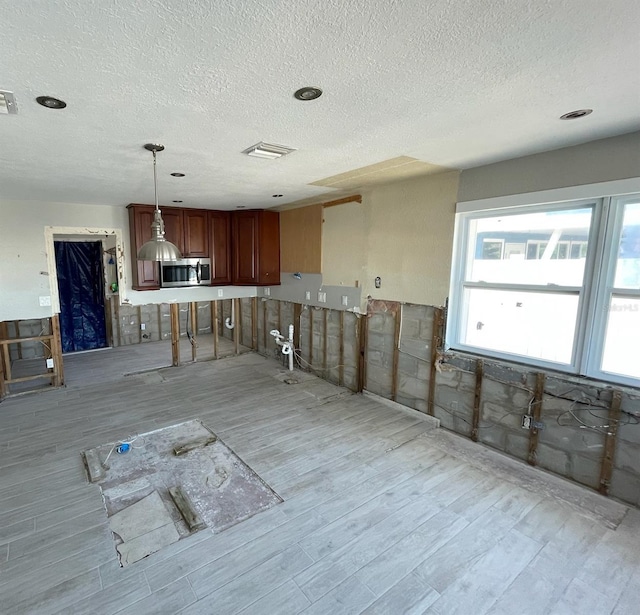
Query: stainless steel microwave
x=185, y=272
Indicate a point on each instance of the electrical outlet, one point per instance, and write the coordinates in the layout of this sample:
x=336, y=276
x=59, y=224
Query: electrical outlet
x=49, y=363
x=322, y=297
x=526, y=421
x=143, y=326
x=345, y=300
x=220, y=293
x=307, y=295
x=44, y=301
x=267, y=292
x=454, y=406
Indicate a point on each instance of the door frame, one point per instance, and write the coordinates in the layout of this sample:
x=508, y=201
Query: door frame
x=51, y=234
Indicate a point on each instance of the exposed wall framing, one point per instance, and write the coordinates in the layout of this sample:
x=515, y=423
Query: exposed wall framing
x=396, y=352
x=588, y=433
x=25, y=347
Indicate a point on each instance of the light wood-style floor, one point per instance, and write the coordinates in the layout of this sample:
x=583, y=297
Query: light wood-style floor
x=382, y=513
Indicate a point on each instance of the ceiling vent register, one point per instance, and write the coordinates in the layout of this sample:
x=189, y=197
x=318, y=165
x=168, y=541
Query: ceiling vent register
x=7, y=103
x=269, y=151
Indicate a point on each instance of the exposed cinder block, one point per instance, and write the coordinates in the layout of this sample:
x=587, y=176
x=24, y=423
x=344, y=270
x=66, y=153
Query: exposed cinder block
x=383, y=323
x=379, y=381
x=417, y=348
x=446, y=418
x=412, y=402
x=502, y=415
x=625, y=486
x=630, y=432
x=553, y=459
x=407, y=365
x=412, y=387
x=571, y=438
x=418, y=313
x=586, y=470
x=627, y=457
x=518, y=444
x=493, y=435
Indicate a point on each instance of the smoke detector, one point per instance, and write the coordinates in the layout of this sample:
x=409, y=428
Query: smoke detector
x=7, y=103
x=269, y=151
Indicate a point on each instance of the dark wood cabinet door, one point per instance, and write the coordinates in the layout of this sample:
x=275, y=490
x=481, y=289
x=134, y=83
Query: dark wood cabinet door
x=196, y=233
x=269, y=248
x=220, y=248
x=145, y=273
x=245, y=247
x=174, y=226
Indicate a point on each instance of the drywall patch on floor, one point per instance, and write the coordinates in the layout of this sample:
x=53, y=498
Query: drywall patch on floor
x=139, y=487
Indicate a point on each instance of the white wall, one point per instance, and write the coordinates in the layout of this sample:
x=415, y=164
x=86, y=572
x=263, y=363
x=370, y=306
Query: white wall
x=25, y=264
x=410, y=238
x=24, y=268
x=402, y=232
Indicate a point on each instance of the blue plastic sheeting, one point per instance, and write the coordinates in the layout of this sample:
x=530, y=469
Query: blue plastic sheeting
x=81, y=290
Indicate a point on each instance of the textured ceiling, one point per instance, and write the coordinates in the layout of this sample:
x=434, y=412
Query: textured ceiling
x=453, y=83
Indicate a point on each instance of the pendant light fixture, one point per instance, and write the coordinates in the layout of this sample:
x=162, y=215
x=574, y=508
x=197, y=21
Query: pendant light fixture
x=157, y=248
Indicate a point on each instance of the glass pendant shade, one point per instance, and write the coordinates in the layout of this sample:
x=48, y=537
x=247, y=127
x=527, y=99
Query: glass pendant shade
x=157, y=248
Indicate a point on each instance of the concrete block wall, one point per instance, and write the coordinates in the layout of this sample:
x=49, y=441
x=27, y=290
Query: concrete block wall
x=415, y=356
x=320, y=348
x=380, y=349
x=319, y=344
x=565, y=446
x=126, y=321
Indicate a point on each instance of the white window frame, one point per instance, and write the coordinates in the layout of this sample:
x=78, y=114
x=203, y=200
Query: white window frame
x=594, y=295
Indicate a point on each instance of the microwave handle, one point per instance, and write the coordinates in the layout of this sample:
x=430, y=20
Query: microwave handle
x=198, y=272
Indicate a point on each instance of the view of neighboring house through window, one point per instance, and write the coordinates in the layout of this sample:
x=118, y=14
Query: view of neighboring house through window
x=554, y=285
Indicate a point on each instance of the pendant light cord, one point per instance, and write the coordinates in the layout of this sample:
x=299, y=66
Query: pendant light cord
x=155, y=179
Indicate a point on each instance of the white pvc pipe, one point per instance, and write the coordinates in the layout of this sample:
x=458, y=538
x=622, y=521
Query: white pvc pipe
x=286, y=344
x=230, y=323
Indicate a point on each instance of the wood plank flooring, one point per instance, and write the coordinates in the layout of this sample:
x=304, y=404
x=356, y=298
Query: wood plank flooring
x=382, y=512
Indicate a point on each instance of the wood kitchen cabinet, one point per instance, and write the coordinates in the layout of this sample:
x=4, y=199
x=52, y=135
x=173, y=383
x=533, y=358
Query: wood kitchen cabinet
x=244, y=246
x=146, y=275
x=220, y=235
x=196, y=233
x=188, y=230
x=256, y=248
x=174, y=226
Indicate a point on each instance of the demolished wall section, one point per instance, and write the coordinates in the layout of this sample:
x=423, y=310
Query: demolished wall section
x=574, y=419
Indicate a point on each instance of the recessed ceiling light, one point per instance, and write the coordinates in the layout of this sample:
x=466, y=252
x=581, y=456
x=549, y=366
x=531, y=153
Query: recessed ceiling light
x=574, y=115
x=177, y=174
x=277, y=196
x=241, y=206
x=308, y=93
x=269, y=151
x=176, y=201
x=50, y=102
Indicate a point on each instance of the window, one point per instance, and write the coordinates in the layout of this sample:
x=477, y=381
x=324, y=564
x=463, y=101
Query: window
x=554, y=285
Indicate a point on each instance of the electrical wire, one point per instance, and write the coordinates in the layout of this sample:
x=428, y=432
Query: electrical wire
x=188, y=327
x=129, y=442
x=300, y=360
x=631, y=419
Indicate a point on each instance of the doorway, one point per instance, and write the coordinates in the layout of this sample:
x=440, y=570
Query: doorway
x=81, y=295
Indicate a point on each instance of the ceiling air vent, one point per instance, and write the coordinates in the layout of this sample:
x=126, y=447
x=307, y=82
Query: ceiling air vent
x=268, y=150
x=7, y=102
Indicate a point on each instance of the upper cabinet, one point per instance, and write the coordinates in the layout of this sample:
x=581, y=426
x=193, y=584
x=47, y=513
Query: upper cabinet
x=188, y=230
x=145, y=273
x=244, y=246
x=220, y=235
x=256, y=248
x=196, y=233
